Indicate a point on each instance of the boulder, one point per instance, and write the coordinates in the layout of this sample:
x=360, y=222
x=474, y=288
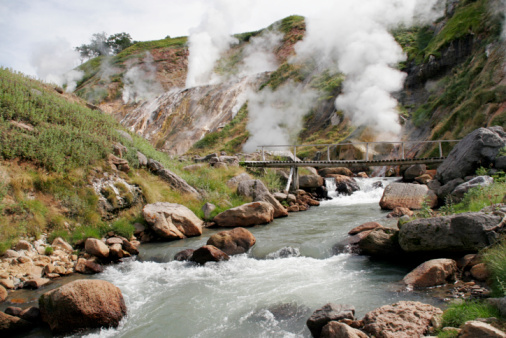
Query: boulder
x=177, y=183
x=11, y=254
x=246, y=215
x=232, y=161
x=447, y=189
x=479, y=148
x=407, y=195
x=280, y=196
x=364, y=227
x=234, y=181
x=350, y=244
x=82, y=304
x=88, y=266
x=432, y=273
x=116, y=251
x=31, y=314
x=3, y=294
x=205, y=158
x=362, y=175
x=345, y=185
x=402, y=319
x=424, y=179
x=340, y=330
x=461, y=189
x=60, y=243
x=480, y=272
x=381, y=242
x=474, y=329
x=325, y=172
x=96, y=247
x=23, y=245
x=172, y=221
x=310, y=181
x=208, y=253
x=233, y=242
x=259, y=193
x=143, y=160
x=154, y=166
x=220, y=165
x=10, y=325
x=207, y=209
x=413, y=172
x=117, y=163
x=399, y=212
x=36, y=283
x=130, y=247
x=500, y=163
x=329, y=312
x=13, y=311
x=184, y=255
x=456, y=234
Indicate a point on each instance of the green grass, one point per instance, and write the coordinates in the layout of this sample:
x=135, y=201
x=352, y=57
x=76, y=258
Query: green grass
x=495, y=259
x=459, y=313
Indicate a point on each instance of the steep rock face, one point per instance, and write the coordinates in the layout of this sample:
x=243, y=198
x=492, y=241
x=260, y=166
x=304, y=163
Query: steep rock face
x=177, y=119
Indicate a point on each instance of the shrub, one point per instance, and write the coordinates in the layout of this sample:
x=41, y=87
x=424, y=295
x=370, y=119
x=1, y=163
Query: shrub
x=495, y=259
x=458, y=314
x=48, y=251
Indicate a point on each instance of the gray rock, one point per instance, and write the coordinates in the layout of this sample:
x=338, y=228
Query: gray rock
x=205, y=158
x=340, y=330
x=380, y=242
x=407, y=195
x=500, y=163
x=475, y=329
x=414, y=171
x=259, y=193
x=172, y=221
x=447, y=189
x=280, y=196
x=154, y=166
x=234, y=181
x=125, y=135
x=143, y=160
x=479, y=148
x=208, y=253
x=462, y=233
x=184, y=255
x=329, y=312
x=460, y=190
x=208, y=208
x=177, y=182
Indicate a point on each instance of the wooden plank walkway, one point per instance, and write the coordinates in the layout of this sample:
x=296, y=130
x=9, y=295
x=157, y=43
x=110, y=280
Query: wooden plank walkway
x=347, y=164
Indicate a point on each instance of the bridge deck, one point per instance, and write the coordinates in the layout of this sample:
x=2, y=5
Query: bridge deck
x=349, y=164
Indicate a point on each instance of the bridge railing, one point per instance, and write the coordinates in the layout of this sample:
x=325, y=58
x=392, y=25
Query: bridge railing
x=400, y=149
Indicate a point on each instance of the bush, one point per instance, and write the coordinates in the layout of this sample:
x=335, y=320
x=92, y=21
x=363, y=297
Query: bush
x=458, y=314
x=48, y=251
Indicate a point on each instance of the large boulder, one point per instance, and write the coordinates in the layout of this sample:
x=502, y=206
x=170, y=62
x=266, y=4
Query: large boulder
x=460, y=190
x=364, y=227
x=259, y=193
x=446, y=189
x=233, y=242
x=310, y=181
x=340, y=330
x=96, y=247
x=82, y=304
x=11, y=325
x=325, y=172
x=475, y=328
x=234, y=181
x=431, y=273
x=380, y=242
x=407, y=195
x=461, y=233
x=414, y=171
x=208, y=253
x=172, y=221
x=345, y=185
x=327, y=313
x=402, y=319
x=246, y=215
x=479, y=148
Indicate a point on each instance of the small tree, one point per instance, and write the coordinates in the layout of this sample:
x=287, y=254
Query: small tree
x=101, y=44
x=119, y=41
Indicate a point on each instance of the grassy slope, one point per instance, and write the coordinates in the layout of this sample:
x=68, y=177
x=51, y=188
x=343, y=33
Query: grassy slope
x=45, y=171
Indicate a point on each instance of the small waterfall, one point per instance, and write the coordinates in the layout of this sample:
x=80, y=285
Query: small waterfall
x=371, y=190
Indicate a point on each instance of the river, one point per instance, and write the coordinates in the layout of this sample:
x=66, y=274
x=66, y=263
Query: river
x=269, y=292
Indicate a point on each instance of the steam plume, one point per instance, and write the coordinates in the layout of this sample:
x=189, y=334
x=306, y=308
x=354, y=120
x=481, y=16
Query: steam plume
x=54, y=62
x=353, y=37
x=275, y=117
x=259, y=53
x=140, y=82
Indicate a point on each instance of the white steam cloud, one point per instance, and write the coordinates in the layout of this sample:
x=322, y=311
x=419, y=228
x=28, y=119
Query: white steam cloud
x=54, y=62
x=140, y=83
x=275, y=117
x=353, y=37
x=259, y=55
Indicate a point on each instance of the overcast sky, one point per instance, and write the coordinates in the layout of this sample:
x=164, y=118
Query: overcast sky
x=25, y=25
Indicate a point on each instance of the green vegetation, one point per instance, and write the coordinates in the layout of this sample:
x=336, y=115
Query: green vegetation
x=48, y=251
x=459, y=313
x=495, y=259
x=286, y=72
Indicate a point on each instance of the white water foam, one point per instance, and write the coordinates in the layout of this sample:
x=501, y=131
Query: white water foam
x=368, y=193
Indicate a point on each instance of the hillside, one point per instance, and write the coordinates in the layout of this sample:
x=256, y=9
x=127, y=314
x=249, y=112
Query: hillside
x=58, y=176
x=454, y=84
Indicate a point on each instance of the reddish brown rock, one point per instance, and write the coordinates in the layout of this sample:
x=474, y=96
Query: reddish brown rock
x=13, y=311
x=432, y=273
x=335, y=171
x=407, y=195
x=480, y=272
x=208, y=253
x=130, y=247
x=364, y=227
x=31, y=314
x=36, y=283
x=184, y=255
x=172, y=221
x=60, y=243
x=340, y=330
x=87, y=266
x=424, y=179
x=477, y=329
x=82, y=304
x=10, y=325
x=246, y=215
x=402, y=319
x=362, y=175
x=96, y=247
x=293, y=208
x=399, y=212
x=233, y=242
x=3, y=294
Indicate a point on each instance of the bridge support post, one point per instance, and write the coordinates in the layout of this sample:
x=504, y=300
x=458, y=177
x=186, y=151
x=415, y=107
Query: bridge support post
x=295, y=179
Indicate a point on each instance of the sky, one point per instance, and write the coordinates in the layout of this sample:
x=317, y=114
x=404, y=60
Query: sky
x=28, y=26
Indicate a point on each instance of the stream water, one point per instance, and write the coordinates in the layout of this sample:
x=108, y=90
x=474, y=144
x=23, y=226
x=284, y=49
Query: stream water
x=269, y=292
